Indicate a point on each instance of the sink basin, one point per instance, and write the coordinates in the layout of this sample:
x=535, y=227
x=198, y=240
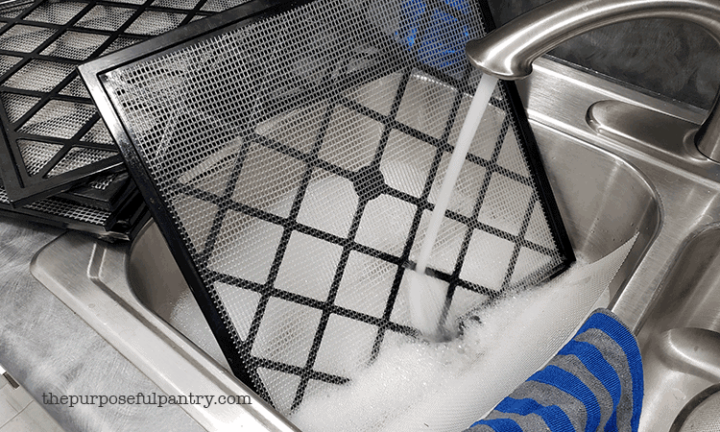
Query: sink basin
x=598, y=221
x=609, y=187
x=680, y=339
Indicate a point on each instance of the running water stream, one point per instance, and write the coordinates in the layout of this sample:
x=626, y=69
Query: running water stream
x=426, y=295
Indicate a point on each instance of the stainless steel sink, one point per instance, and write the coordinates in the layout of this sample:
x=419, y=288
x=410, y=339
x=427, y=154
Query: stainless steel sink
x=609, y=184
x=680, y=339
x=672, y=299
x=591, y=215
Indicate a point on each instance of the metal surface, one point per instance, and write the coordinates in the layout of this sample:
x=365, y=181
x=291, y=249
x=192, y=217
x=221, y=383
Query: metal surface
x=682, y=332
x=99, y=293
x=359, y=117
x=509, y=52
x=701, y=414
x=49, y=349
x=670, y=300
x=610, y=182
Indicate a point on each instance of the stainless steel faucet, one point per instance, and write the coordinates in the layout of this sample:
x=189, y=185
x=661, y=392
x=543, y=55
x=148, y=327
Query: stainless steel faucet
x=508, y=52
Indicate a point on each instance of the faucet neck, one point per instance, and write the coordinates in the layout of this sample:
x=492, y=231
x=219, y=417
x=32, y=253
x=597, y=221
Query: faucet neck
x=508, y=52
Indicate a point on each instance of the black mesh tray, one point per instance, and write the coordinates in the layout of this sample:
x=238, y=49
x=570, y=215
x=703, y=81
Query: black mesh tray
x=103, y=192
x=247, y=89
x=52, y=135
x=121, y=224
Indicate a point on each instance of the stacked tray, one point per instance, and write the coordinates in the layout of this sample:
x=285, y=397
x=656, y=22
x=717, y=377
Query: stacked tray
x=58, y=163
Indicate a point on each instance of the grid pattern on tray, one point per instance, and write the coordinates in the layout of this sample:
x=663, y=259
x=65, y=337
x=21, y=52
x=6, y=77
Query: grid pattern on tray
x=119, y=224
x=41, y=97
x=54, y=207
x=305, y=204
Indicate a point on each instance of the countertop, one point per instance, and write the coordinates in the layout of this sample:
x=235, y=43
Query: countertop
x=47, y=348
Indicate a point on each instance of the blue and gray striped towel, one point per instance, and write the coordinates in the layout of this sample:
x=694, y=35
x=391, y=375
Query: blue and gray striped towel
x=594, y=384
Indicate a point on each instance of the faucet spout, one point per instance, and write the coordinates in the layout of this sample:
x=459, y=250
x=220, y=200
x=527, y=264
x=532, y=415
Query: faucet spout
x=508, y=52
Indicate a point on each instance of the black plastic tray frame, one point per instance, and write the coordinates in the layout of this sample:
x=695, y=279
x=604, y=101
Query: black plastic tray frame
x=36, y=35
x=104, y=192
x=247, y=14
x=121, y=224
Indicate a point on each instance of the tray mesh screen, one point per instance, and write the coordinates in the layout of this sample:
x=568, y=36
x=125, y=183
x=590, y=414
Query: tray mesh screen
x=64, y=213
x=42, y=99
x=299, y=157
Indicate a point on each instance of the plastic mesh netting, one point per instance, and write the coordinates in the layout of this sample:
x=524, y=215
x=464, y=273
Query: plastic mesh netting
x=42, y=100
x=294, y=158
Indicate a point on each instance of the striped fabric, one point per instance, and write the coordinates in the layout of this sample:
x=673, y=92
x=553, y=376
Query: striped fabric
x=594, y=384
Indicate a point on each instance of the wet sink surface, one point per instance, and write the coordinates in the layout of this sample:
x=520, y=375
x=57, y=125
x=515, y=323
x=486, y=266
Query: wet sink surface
x=672, y=299
x=680, y=340
x=598, y=220
x=607, y=192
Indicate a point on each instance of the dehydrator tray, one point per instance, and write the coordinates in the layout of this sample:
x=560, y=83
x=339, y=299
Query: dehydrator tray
x=122, y=223
x=104, y=192
x=53, y=137
x=290, y=153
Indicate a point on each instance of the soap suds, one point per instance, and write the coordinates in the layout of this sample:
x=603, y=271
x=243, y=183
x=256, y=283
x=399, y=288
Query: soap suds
x=413, y=385
x=410, y=371
x=417, y=385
